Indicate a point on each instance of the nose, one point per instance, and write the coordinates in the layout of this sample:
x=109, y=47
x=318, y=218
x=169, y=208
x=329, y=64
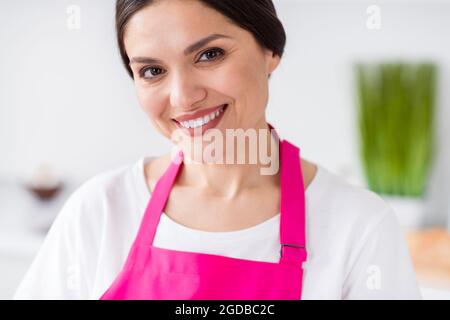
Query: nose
x=186, y=91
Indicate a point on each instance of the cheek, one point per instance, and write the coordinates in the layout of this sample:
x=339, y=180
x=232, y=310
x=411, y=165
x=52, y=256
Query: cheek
x=232, y=80
x=149, y=103
x=155, y=109
x=245, y=82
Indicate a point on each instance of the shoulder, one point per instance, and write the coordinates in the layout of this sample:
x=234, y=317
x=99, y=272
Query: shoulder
x=154, y=168
x=309, y=171
x=103, y=184
x=346, y=210
x=346, y=197
x=102, y=212
x=101, y=194
x=344, y=220
x=94, y=221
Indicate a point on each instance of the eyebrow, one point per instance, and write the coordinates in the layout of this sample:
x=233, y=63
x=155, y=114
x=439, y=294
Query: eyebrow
x=193, y=47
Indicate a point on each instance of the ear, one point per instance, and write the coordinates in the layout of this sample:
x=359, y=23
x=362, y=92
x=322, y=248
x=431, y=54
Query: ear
x=272, y=61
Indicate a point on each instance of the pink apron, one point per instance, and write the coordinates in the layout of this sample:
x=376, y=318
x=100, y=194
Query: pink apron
x=155, y=273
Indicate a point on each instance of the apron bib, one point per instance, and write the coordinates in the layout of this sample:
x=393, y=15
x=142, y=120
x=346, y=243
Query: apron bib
x=161, y=274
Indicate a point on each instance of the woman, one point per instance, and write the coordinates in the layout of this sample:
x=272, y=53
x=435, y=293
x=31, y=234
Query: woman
x=170, y=228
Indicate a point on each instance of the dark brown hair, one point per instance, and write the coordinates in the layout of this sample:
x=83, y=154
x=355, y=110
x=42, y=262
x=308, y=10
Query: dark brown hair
x=259, y=17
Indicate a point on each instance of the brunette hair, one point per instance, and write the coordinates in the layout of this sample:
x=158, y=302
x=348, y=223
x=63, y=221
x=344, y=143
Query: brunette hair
x=259, y=17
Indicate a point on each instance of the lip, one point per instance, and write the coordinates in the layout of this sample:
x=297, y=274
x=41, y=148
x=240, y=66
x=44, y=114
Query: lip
x=192, y=132
x=198, y=114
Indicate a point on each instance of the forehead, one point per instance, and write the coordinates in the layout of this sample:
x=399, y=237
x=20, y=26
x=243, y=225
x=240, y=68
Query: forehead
x=175, y=22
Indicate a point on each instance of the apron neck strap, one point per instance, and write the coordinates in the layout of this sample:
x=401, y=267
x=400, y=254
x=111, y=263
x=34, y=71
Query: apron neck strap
x=293, y=209
x=158, y=200
x=292, y=225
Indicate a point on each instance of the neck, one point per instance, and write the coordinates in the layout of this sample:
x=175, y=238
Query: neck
x=227, y=180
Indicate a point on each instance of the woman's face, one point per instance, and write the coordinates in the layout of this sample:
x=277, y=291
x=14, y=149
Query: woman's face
x=229, y=70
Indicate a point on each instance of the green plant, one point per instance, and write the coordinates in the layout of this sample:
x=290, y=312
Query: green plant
x=396, y=125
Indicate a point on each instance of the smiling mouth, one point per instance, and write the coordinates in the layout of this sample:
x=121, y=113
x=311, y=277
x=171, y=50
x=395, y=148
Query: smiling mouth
x=202, y=124
x=201, y=121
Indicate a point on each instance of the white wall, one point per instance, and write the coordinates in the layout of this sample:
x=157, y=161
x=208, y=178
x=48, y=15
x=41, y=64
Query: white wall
x=65, y=97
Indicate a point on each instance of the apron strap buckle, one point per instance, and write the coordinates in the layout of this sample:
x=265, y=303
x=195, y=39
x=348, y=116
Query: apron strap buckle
x=292, y=252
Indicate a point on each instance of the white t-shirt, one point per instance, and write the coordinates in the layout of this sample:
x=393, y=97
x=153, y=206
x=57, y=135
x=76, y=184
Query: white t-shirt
x=356, y=248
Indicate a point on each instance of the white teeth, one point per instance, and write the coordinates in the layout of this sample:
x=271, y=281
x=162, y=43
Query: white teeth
x=202, y=121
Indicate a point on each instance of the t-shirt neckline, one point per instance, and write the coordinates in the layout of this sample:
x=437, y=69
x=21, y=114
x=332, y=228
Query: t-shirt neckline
x=144, y=192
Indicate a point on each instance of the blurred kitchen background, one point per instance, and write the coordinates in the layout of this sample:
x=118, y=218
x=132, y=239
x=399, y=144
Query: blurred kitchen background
x=367, y=82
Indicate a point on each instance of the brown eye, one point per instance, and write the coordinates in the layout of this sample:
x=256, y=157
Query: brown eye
x=145, y=72
x=212, y=54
